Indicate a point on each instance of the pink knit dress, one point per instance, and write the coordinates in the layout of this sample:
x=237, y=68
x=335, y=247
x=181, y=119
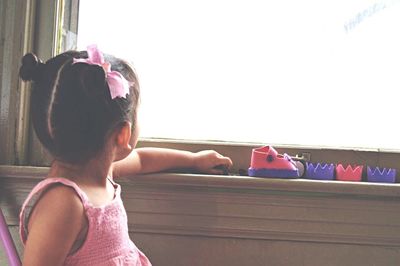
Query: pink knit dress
x=107, y=241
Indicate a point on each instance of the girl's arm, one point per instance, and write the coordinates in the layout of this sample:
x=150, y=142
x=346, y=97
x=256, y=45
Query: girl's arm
x=151, y=160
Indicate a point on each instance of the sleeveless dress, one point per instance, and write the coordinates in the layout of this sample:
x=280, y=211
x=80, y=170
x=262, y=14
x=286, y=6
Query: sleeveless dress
x=107, y=241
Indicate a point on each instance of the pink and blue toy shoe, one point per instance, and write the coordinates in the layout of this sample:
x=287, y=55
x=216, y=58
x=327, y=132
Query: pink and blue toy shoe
x=266, y=162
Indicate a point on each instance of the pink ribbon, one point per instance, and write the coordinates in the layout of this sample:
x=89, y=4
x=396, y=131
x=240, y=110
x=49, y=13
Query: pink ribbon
x=119, y=86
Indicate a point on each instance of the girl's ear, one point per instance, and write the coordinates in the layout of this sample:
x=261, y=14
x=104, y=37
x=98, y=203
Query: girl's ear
x=124, y=135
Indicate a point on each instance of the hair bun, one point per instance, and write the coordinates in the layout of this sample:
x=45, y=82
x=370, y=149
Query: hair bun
x=30, y=67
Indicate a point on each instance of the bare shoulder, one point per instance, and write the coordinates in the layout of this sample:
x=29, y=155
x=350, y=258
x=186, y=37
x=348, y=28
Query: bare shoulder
x=54, y=224
x=58, y=200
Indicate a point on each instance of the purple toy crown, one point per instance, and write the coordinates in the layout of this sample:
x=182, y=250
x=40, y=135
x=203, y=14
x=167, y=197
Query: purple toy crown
x=381, y=175
x=320, y=171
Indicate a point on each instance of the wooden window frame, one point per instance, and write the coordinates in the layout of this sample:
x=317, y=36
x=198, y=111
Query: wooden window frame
x=21, y=147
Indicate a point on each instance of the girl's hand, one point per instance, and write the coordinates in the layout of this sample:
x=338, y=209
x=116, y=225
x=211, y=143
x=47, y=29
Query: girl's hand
x=211, y=162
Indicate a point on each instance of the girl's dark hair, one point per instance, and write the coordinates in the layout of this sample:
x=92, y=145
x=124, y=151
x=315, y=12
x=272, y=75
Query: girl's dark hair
x=72, y=110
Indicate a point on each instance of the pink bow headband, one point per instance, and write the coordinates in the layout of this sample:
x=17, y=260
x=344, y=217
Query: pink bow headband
x=119, y=86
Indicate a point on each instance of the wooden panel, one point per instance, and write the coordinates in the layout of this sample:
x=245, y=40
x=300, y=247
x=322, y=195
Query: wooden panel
x=181, y=219
x=178, y=250
x=307, y=211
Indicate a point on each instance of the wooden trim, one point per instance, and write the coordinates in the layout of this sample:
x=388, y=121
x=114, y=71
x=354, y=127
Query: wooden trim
x=261, y=185
x=16, y=35
x=45, y=48
x=22, y=127
x=385, y=191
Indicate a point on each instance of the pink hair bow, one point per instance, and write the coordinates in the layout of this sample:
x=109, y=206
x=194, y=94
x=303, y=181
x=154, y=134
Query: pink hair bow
x=119, y=86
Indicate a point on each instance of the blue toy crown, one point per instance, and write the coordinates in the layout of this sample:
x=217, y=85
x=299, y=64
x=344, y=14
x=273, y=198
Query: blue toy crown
x=385, y=175
x=320, y=171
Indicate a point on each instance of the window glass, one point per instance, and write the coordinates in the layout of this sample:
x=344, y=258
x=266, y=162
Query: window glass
x=319, y=73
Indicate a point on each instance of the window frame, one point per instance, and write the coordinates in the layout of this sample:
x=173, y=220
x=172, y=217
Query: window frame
x=40, y=35
x=45, y=41
x=16, y=17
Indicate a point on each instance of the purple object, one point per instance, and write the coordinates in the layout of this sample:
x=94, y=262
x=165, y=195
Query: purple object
x=320, y=171
x=381, y=175
x=263, y=172
x=8, y=242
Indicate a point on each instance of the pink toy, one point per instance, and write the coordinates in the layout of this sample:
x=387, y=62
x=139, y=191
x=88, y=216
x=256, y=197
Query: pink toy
x=8, y=242
x=350, y=173
x=266, y=162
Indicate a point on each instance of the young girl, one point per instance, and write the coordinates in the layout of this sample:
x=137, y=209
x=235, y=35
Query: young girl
x=84, y=108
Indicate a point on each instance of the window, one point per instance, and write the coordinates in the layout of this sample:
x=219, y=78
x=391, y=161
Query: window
x=299, y=76
x=319, y=73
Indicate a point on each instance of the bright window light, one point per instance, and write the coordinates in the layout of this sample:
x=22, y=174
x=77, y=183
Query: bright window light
x=314, y=73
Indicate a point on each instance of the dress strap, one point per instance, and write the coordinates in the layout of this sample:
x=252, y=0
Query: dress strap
x=40, y=187
x=117, y=187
